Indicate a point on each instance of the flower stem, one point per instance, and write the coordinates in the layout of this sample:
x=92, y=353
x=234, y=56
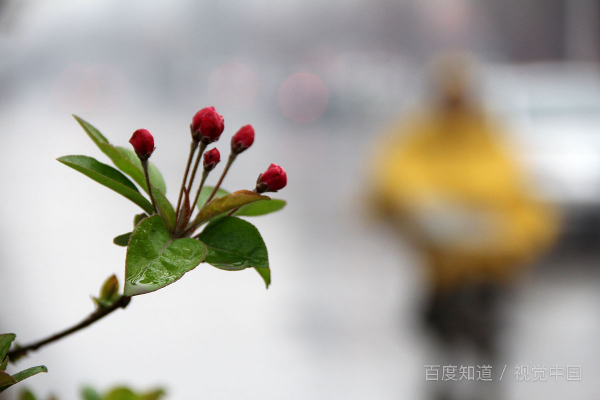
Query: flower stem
x=148, y=184
x=204, y=176
x=193, y=147
x=202, y=147
x=230, y=161
x=97, y=315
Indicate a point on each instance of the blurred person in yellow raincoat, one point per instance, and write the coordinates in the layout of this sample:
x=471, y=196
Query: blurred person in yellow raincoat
x=445, y=179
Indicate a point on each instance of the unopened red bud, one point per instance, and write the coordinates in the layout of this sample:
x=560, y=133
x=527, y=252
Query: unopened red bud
x=272, y=180
x=143, y=143
x=207, y=125
x=211, y=159
x=242, y=139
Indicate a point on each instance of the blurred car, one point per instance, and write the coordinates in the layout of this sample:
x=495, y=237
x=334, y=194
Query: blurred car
x=553, y=110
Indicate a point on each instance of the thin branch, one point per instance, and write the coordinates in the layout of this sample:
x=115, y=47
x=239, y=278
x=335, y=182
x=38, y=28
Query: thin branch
x=97, y=315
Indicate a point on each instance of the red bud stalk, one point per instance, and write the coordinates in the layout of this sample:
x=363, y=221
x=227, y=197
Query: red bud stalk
x=240, y=142
x=143, y=144
x=211, y=159
x=202, y=147
x=148, y=184
x=193, y=148
x=190, y=230
x=230, y=161
x=206, y=127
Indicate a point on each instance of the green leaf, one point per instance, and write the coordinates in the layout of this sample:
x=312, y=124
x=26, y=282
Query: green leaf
x=165, y=208
x=27, y=395
x=262, y=207
x=265, y=274
x=234, y=244
x=89, y=393
x=256, y=209
x=92, y=132
x=121, y=393
x=155, y=260
x=6, y=340
x=122, y=162
x=122, y=240
x=125, y=159
x=138, y=218
x=220, y=205
x=153, y=395
x=109, y=292
x=29, y=372
x=109, y=177
x=6, y=380
x=156, y=178
x=205, y=194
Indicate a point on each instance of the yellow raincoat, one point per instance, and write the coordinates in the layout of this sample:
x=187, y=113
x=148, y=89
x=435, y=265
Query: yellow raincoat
x=446, y=180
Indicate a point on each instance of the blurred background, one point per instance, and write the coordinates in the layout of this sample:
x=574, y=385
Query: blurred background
x=321, y=82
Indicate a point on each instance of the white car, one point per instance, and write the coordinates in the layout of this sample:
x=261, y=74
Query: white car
x=553, y=110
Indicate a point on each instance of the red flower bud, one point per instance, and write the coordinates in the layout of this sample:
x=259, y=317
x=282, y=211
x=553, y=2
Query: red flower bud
x=242, y=139
x=143, y=143
x=272, y=180
x=207, y=125
x=211, y=159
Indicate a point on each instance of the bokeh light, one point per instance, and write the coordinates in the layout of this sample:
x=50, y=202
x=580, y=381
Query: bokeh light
x=303, y=97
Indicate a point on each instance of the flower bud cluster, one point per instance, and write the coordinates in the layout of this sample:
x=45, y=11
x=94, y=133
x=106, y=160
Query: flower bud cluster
x=207, y=127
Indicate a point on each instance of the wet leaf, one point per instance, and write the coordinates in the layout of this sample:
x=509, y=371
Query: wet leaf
x=234, y=244
x=155, y=260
